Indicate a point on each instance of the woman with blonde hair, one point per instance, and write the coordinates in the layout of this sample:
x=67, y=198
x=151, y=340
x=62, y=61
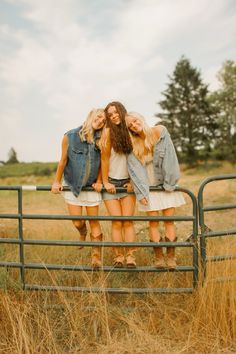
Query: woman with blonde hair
x=153, y=150
x=80, y=167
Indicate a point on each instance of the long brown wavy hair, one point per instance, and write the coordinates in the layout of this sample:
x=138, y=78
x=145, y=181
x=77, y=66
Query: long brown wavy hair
x=119, y=134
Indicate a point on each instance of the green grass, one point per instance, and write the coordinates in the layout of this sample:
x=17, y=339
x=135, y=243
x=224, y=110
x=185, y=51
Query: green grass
x=28, y=169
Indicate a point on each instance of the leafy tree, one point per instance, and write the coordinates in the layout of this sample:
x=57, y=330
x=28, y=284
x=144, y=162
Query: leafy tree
x=187, y=113
x=225, y=101
x=12, y=156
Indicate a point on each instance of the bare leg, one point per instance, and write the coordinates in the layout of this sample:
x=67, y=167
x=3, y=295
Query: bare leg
x=153, y=227
x=128, y=207
x=96, y=235
x=80, y=225
x=94, y=224
x=114, y=209
x=169, y=225
x=170, y=236
x=155, y=236
x=76, y=210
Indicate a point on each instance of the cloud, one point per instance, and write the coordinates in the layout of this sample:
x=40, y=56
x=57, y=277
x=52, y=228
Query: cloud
x=61, y=58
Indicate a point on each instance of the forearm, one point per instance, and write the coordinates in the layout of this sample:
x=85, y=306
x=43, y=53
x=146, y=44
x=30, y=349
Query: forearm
x=104, y=170
x=59, y=172
x=99, y=177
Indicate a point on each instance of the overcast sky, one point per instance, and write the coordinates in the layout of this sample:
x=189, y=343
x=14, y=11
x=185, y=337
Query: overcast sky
x=61, y=58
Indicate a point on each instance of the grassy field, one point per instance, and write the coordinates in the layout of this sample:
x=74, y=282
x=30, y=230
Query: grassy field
x=70, y=322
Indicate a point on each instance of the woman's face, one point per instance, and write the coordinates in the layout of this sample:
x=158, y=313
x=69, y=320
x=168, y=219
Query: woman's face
x=134, y=124
x=99, y=121
x=113, y=115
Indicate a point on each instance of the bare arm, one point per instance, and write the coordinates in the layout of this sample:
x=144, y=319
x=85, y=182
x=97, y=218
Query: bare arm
x=57, y=186
x=97, y=186
x=105, y=160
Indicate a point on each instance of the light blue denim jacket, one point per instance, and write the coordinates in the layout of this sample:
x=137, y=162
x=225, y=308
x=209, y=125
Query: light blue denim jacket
x=139, y=177
x=165, y=165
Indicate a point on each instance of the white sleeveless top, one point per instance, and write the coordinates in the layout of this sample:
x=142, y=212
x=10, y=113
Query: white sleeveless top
x=118, y=168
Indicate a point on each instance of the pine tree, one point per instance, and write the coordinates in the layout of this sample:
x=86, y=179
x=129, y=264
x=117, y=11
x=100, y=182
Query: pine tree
x=225, y=101
x=187, y=113
x=12, y=156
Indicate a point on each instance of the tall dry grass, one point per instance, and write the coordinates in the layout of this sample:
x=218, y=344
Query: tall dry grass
x=69, y=322
x=60, y=322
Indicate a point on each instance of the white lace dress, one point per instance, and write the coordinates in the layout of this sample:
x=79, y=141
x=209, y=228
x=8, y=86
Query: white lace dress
x=160, y=200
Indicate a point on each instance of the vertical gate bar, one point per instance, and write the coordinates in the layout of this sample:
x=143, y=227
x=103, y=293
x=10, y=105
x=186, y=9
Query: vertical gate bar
x=195, y=238
x=21, y=237
x=202, y=228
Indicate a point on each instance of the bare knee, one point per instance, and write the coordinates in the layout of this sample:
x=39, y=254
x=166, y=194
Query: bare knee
x=169, y=223
x=117, y=225
x=95, y=227
x=78, y=223
x=153, y=224
x=127, y=224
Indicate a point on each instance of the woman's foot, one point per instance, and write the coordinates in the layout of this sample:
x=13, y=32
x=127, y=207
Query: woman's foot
x=171, y=262
x=96, y=261
x=130, y=261
x=160, y=263
x=118, y=261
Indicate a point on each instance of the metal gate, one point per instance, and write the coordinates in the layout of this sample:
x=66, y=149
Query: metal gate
x=206, y=232
x=21, y=241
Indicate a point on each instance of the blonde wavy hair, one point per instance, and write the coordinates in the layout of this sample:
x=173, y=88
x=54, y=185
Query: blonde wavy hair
x=87, y=132
x=141, y=147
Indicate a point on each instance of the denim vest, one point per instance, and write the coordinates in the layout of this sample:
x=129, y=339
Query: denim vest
x=79, y=153
x=165, y=165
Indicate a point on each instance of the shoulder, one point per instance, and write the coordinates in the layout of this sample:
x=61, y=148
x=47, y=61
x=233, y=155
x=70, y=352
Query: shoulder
x=73, y=131
x=105, y=137
x=157, y=131
x=65, y=142
x=105, y=141
x=106, y=133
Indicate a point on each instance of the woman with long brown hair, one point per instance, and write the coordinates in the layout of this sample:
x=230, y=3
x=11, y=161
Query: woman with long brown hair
x=115, y=146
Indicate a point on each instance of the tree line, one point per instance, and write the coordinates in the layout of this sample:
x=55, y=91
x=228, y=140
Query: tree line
x=202, y=124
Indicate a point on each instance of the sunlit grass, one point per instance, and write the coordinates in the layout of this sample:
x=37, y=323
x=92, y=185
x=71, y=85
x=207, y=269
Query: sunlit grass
x=69, y=322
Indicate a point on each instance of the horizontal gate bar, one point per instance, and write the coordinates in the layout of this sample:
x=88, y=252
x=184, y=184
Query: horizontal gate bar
x=111, y=290
x=220, y=258
x=219, y=233
x=219, y=207
x=89, y=268
x=97, y=217
x=98, y=243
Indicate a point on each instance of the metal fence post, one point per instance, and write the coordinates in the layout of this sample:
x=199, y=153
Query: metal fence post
x=21, y=237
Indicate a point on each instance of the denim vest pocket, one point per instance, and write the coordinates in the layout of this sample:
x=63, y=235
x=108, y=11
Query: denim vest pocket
x=76, y=154
x=76, y=151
